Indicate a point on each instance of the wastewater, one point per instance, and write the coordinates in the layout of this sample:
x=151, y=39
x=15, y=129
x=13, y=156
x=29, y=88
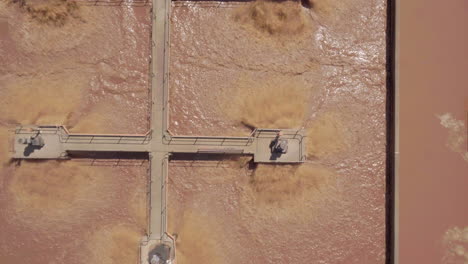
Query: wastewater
x=280, y=65
x=85, y=67
x=233, y=66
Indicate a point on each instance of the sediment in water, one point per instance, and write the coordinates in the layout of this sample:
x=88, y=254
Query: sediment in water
x=327, y=135
x=198, y=240
x=52, y=187
x=4, y=147
x=274, y=18
x=50, y=12
x=114, y=245
x=39, y=100
x=46, y=79
x=276, y=103
x=457, y=134
x=277, y=184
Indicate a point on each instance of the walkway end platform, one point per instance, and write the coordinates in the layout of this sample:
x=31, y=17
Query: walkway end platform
x=265, y=140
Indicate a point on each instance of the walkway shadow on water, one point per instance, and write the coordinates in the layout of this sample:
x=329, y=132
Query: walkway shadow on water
x=208, y=160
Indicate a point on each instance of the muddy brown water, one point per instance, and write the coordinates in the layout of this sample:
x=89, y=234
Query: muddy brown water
x=433, y=135
x=330, y=72
x=230, y=66
x=90, y=74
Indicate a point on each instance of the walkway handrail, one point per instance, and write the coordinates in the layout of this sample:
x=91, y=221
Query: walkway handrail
x=110, y=135
x=65, y=136
x=56, y=128
x=251, y=135
x=209, y=137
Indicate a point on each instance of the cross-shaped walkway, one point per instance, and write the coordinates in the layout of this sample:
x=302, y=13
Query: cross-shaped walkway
x=55, y=142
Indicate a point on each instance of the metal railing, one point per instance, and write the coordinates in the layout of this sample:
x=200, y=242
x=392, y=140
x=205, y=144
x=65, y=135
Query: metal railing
x=209, y=141
x=111, y=162
x=163, y=213
x=105, y=139
x=220, y=151
x=164, y=171
x=231, y=141
x=210, y=3
x=83, y=138
x=113, y=2
x=167, y=238
x=28, y=129
x=288, y=133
